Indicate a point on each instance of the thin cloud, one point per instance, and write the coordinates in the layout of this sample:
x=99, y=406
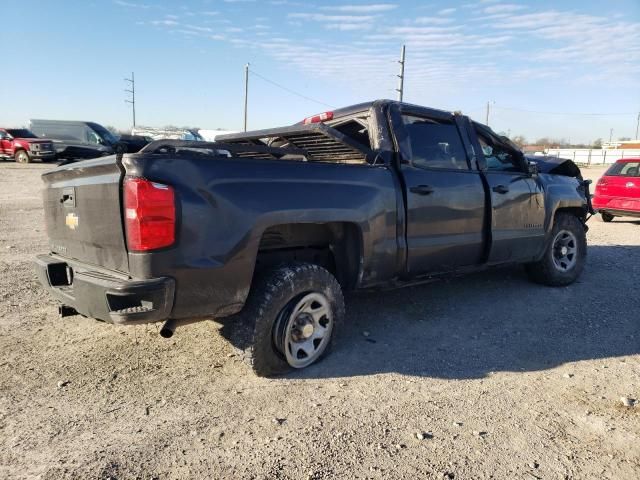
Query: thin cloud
x=321, y=17
x=131, y=4
x=371, y=8
x=504, y=8
x=166, y=23
x=433, y=20
x=348, y=27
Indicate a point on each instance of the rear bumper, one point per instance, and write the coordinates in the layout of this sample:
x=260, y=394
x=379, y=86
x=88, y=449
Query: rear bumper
x=620, y=213
x=617, y=205
x=105, y=296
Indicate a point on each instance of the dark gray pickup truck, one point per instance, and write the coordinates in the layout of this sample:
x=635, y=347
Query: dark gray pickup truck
x=269, y=228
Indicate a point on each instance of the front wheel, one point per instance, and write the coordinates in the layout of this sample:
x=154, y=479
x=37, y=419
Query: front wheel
x=564, y=257
x=290, y=318
x=606, y=217
x=22, y=157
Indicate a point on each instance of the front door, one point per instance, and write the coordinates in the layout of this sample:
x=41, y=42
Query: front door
x=517, y=201
x=445, y=198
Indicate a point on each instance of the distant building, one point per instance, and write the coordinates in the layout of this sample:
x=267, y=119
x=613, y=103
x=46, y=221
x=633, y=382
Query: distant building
x=622, y=145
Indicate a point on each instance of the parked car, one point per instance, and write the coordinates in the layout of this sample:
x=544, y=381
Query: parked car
x=134, y=143
x=617, y=192
x=77, y=140
x=23, y=146
x=269, y=228
x=168, y=133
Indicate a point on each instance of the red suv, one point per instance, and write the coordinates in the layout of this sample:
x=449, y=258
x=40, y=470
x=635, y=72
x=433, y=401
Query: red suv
x=618, y=191
x=23, y=146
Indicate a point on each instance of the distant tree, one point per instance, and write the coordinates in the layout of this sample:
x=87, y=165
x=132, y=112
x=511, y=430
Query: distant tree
x=112, y=129
x=597, y=143
x=519, y=140
x=624, y=139
x=552, y=142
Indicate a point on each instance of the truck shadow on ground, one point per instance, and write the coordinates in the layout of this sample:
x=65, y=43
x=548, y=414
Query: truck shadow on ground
x=493, y=321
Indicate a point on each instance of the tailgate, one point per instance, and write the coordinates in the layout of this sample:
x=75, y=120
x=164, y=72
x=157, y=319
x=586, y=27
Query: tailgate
x=83, y=212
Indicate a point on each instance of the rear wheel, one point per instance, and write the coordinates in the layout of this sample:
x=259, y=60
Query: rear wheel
x=606, y=217
x=564, y=257
x=22, y=157
x=290, y=318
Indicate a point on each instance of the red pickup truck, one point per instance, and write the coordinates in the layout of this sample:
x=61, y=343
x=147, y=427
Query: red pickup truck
x=23, y=146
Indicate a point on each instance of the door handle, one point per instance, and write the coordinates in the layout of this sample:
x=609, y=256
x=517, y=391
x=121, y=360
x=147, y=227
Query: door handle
x=500, y=189
x=421, y=190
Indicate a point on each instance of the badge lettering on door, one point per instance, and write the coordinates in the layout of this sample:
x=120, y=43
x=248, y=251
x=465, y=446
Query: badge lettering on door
x=71, y=221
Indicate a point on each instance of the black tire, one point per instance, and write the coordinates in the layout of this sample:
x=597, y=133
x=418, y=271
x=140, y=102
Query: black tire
x=549, y=269
x=258, y=330
x=21, y=156
x=606, y=217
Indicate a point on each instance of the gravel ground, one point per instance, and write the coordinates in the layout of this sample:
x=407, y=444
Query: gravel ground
x=487, y=376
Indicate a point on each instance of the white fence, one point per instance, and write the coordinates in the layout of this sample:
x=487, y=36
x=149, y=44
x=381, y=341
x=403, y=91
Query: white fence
x=595, y=156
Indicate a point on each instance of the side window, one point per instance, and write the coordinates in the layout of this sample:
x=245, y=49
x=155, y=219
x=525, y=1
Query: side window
x=498, y=156
x=92, y=137
x=433, y=144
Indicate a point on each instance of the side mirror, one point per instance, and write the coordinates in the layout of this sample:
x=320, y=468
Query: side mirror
x=532, y=168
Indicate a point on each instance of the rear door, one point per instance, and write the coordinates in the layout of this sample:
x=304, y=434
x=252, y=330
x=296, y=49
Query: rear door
x=82, y=203
x=517, y=200
x=445, y=197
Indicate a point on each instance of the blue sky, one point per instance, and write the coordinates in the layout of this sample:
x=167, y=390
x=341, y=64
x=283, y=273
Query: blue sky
x=67, y=60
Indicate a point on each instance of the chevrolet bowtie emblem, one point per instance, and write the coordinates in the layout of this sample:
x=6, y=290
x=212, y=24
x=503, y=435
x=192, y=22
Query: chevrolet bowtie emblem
x=71, y=221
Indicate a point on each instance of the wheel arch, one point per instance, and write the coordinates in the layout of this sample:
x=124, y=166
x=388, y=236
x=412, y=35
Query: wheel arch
x=579, y=212
x=336, y=246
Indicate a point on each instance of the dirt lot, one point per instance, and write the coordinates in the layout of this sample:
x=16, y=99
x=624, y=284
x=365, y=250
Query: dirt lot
x=505, y=379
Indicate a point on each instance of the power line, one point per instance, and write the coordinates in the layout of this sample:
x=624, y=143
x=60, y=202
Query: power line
x=289, y=90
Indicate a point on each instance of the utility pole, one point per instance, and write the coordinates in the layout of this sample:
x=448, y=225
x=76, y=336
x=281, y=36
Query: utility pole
x=487, y=118
x=637, y=125
x=246, y=93
x=132, y=101
x=610, y=134
x=400, y=88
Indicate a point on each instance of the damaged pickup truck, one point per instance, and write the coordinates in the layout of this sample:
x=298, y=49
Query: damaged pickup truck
x=269, y=228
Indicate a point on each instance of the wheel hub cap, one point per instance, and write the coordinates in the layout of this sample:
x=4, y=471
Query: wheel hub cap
x=303, y=327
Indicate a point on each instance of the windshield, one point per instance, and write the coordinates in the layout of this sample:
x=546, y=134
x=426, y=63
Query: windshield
x=21, y=133
x=106, y=135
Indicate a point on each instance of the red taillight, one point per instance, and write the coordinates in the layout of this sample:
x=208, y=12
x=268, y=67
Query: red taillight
x=321, y=117
x=602, y=181
x=149, y=214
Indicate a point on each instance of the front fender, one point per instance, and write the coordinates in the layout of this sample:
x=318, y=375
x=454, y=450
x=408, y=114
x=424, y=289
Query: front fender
x=562, y=192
